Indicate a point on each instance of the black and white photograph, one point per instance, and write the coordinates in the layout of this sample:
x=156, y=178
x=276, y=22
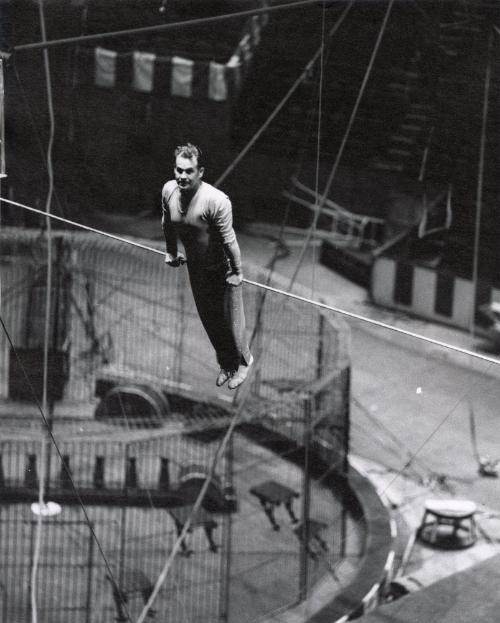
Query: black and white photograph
x=249, y=311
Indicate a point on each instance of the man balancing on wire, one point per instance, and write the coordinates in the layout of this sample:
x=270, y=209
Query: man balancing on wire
x=201, y=216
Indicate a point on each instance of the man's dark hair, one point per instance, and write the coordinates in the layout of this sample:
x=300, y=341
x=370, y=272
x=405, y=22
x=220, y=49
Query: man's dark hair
x=190, y=151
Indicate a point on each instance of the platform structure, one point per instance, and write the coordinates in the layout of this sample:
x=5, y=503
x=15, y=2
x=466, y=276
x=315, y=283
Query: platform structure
x=235, y=552
x=123, y=334
x=448, y=524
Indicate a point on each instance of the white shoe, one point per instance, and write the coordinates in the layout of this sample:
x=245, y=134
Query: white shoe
x=224, y=375
x=240, y=375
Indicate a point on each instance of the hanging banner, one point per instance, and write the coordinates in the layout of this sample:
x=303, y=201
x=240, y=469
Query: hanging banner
x=2, y=124
x=182, y=77
x=147, y=72
x=105, y=67
x=143, y=72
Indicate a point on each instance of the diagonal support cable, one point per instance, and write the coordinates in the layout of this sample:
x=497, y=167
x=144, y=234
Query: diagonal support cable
x=297, y=297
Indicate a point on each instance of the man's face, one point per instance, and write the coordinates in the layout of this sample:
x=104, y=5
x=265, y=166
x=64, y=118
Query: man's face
x=187, y=173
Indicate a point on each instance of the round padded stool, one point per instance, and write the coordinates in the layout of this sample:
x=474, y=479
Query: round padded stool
x=448, y=524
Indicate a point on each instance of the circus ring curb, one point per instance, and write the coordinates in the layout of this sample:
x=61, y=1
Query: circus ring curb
x=375, y=573
x=362, y=499
x=367, y=505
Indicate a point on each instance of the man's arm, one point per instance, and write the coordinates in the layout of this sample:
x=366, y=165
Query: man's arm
x=172, y=256
x=224, y=221
x=233, y=254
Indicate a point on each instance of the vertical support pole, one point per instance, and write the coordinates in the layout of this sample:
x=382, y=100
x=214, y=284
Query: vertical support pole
x=320, y=356
x=306, y=502
x=33, y=525
x=30, y=475
x=64, y=476
x=181, y=290
x=2, y=134
x=164, y=479
x=319, y=349
x=131, y=473
x=47, y=446
x=227, y=537
x=479, y=191
x=2, y=124
x=123, y=540
x=345, y=459
x=90, y=568
x=98, y=476
x=123, y=527
x=256, y=340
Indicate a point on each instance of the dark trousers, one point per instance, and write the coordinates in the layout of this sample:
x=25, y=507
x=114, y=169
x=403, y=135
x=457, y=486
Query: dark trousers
x=220, y=308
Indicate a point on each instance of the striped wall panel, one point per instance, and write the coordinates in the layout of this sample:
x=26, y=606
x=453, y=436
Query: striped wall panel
x=424, y=292
x=383, y=277
x=437, y=296
x=462, y=303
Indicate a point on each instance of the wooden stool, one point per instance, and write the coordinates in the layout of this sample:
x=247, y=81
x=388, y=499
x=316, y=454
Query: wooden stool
x=201, y=518
x=440, y=516
x=316, y=546
x=132, y=582
x=272, y=494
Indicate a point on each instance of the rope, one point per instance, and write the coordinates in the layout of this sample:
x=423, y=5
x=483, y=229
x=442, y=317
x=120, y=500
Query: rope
x=216, y=458
x=59, y=453
x=281, y=249
x=235, y=420
x=221, y=448
x=291, y=295
x=318, y=139
x=305, y=73
x=343, y=142
x=43, y=470
x=163, y=27
x=197, y=504
x=479, y=192
x=36, y=129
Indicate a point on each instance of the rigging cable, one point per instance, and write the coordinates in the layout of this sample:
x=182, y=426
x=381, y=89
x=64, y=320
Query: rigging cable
x=479, y=191
x=305, y=73
x=59, y=454
x=221, y=449
x=37, y=132
x=318, y=143
x=45, y=406
x=163, y=27
x=343, y=142
x=281, y=249
x=291, y=295
x=250, y=282
x=229, y=432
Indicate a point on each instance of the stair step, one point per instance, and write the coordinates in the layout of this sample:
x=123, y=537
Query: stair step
x=387, y=166
x=466, y=15
x=407, y=140
x=419, y=106
x=411, y=127
x=399, y=152
x=397, y=85
x=469, y=28
x=406, y=72
x=449, y=51
x=417, y=115
x=451, y=39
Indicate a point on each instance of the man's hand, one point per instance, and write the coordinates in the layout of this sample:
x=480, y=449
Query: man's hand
x=234, y=279
x=175, y=261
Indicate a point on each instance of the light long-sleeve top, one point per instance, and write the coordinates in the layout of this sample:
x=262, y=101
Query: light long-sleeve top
x=205, y=228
